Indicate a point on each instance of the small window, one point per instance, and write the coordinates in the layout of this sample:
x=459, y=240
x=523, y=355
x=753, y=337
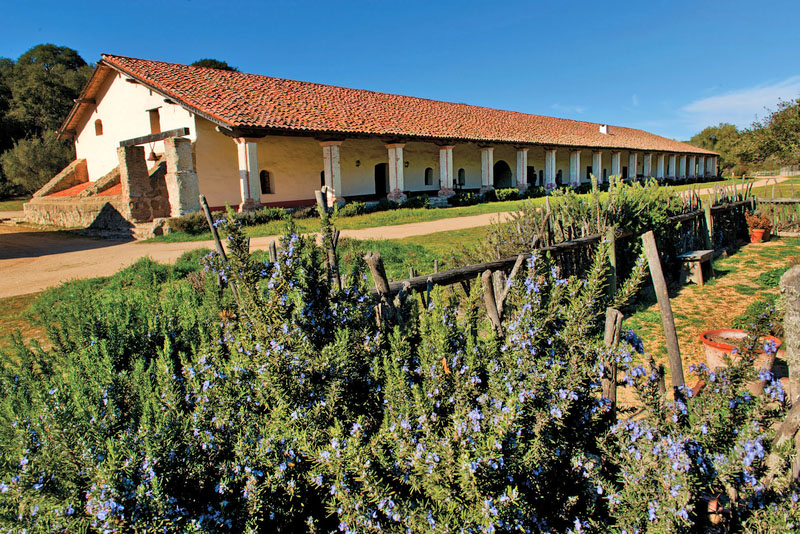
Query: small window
x=98, y=127
x=266, y=183
x=429, y=176
x=462, y=177
x=321, y=178
x=155, y=121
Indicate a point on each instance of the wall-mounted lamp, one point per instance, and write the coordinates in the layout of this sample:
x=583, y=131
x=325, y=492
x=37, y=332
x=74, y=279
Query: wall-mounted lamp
x=358, y=163
x=406, y=164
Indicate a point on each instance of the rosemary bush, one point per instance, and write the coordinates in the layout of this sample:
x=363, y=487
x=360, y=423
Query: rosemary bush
x=273, y=403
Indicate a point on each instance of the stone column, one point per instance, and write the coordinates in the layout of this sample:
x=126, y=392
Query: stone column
x=647, y=166
x=575, y=168
x=487, y=168
x=660, y=167
x=249, y=186
x=332, y=169
x=692, y=164
x=182, y=185
x=671, y=168
x=682, y=167
x=632, y=163
x=135, y=180
x=522, y=168
x=396, y=166
x=446, y=171
x=701, y=166
x=597, y=166
x=550, y=169
x=616, y=167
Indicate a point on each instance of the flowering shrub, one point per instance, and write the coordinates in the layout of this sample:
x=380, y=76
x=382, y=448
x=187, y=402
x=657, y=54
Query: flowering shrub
x=275, y=403
x=758, y=220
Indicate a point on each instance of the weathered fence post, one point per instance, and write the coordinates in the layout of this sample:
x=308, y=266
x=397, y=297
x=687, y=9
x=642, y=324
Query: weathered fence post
x=709, y=234
x=490, y=302
x=790, y=289
x=611, y=235
x=375, y=264
x=333, y=263
x=611, y=339
x=667, y=319
x=273, y=252
x=217, y=244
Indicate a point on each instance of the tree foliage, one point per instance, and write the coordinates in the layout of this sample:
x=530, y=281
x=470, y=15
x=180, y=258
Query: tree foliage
x=33, y=161
x=777, y=137
x=214, y=64
x=36, y=93
x=723, y=139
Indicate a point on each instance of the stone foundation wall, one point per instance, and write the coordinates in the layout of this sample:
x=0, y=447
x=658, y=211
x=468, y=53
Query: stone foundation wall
x=73, y=212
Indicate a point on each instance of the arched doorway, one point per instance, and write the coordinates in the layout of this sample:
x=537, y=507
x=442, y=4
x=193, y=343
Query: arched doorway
x=502, y=175
x=381, y=180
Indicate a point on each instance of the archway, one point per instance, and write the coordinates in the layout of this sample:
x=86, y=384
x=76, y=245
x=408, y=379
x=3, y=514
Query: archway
x=502, y=175
x=381, y=180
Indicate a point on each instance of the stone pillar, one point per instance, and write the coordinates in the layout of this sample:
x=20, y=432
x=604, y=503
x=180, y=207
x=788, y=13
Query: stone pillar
x=446, y=171
x=701, y=166
x=682, y=167
x=332, y=169
x=790, y=289
x=647, y=166
x=550, y=169
x=632, y=163
x=616, y=158
x=575, y=168
x=396, y=166
x=660, y=167
x=692, y=164
x=135, y=180
x=249, y=186
x=597, y=165
x=487, y=168
x=522, y=168
x=671, y=168
x=182, y=185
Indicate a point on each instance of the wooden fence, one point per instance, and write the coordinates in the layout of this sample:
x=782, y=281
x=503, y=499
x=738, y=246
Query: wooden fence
x=725, y=222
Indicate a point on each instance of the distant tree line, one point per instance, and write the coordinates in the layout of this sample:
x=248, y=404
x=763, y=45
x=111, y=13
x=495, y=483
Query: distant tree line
x=36, y=93
x=769, y=143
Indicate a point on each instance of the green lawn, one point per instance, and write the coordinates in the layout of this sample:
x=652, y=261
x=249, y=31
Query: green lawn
x=14, y=204
x=371, y=220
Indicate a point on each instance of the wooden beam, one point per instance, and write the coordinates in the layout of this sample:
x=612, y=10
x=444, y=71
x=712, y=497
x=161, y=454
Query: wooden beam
x=85, y=101
x=152, y=138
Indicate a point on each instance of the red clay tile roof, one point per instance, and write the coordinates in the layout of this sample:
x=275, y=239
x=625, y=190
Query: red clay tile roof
x=244, y=100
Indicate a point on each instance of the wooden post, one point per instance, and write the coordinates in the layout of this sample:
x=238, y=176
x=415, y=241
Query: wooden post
x=218, y=244
x=273, y=252
x=375, y=264
x=786, y=432
x=709, y=234
x=490, y=302
x=611, y=339
x=667, y=319
x=790, y=289
x=333, y=263
x=435, y=266
x=612, y=259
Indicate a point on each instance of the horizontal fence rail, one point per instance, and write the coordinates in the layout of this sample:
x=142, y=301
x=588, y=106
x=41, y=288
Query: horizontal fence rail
x=471, y=272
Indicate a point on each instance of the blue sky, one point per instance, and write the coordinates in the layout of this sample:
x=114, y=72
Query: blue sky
x=669, y=67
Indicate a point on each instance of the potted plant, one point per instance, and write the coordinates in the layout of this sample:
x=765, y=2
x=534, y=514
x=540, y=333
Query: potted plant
x=759, y=224
x=731, y=341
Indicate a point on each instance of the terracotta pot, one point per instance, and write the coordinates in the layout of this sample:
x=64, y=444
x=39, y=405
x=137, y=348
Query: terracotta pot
x=757, y=235
x=716, y=351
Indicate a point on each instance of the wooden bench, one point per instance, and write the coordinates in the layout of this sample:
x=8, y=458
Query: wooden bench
x=696, y=266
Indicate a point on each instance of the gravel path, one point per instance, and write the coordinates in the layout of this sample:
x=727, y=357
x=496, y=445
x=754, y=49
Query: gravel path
x=32, y=259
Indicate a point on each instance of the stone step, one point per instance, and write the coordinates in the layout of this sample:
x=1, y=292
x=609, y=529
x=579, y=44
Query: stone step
x=438, y=202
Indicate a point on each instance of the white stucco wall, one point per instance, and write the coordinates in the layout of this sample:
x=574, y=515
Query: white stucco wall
x=123, y=109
